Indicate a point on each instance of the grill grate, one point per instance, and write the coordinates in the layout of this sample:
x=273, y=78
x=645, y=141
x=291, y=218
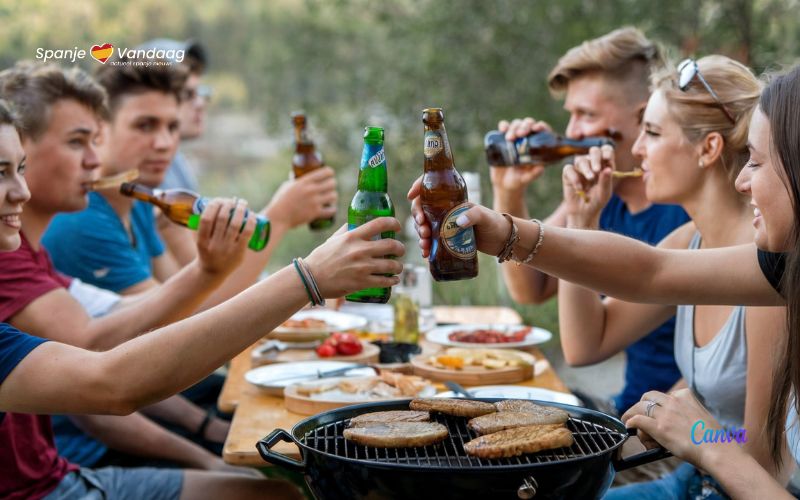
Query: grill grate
x=590, y=439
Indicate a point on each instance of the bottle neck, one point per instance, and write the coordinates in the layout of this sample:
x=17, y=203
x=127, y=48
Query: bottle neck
x=302, y=142
x=436, y=148
x=141, y=192
x=372, y=175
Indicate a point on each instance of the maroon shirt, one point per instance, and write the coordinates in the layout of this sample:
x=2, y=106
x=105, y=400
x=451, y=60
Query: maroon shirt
x=26, y=275
x=30, y=467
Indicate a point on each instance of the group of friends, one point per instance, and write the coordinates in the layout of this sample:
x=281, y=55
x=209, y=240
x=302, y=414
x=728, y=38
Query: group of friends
x=115, y=319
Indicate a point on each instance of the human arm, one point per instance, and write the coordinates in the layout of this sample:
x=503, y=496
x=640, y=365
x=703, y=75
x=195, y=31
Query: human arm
x=509, y=184
x=594, y=329
x=137, y=435
x=57, y=316
x=606, y=262
x=59, y=378
x=671, y=424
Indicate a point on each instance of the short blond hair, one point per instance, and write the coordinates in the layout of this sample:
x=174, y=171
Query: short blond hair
x=698, y=113
x=625, y=55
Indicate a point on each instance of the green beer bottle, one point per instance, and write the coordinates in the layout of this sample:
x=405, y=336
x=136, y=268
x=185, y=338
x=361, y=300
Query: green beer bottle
x=371, y=201
x=185, y=207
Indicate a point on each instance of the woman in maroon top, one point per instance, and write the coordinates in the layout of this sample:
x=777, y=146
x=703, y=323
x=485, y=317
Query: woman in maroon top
x=39, y=377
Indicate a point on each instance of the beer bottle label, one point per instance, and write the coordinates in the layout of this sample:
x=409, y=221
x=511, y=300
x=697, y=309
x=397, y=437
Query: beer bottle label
x=433, y=143
x=459, y=242
x=199, y=205
x=376, y=160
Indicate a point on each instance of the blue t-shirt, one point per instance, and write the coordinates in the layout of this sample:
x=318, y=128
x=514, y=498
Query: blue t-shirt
x=651, y=359
x=14, y=346
x=94, y=246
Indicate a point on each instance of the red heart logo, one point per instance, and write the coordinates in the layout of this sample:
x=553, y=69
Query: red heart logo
x=102, y=52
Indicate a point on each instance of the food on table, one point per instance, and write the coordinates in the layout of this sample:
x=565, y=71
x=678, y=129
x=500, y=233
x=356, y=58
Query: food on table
x=306, y=323
x=385, y=417
x=397, y=434
x=489, y=335
x=558, y=415
x=455, y=407
x=520, y=440
x=457, y=358
x=501, y=420
x=386, y=385
x=341, y=344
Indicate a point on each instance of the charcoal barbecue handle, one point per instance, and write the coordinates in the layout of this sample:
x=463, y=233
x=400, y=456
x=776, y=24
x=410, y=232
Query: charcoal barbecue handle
x=265, y=445
x=624, y=463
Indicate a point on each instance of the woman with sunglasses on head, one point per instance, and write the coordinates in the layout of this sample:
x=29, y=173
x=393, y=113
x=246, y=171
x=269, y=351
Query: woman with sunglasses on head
x=40, y=377
x=691, y=148
x=744, y=274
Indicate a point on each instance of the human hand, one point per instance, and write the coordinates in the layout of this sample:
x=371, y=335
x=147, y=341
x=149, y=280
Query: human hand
x=491, y=228
x=511, y=182
x=588, y=187
x=674, y=423
x=222, y=237
x=305, y=199
x=350, y=261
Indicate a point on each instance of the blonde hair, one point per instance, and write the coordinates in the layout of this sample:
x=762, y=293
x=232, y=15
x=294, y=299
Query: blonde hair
x=625, y=55
x=698, y=113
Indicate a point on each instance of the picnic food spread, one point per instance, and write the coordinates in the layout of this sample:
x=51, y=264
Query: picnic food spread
x=457, y=358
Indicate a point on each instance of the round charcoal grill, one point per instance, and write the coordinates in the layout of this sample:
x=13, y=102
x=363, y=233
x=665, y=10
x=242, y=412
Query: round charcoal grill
x=335, y=468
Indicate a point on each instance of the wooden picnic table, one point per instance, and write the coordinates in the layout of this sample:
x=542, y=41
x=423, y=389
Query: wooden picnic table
x=257, y=414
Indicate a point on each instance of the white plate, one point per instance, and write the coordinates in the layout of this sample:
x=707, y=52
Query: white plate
x=536, y=336
x=337, y=321
x=517, y=392
x=273, y=378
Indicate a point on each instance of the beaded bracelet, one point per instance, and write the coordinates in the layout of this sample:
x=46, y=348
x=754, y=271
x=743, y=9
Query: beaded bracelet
x=536, y=248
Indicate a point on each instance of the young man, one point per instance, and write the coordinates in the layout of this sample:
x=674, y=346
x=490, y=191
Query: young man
x=606, y=87
x=40, y=377
x=114, y=243
x=61, y=112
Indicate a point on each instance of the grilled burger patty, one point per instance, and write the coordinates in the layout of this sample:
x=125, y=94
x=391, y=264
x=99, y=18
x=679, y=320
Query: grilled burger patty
x=546, y=414
x=520, y=440
x=397, y=434
x=494, y=422
x=383, y=417
x=455, y=407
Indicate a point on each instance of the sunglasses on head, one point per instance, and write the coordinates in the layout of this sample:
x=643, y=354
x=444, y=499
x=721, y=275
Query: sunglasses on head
x=687, y=72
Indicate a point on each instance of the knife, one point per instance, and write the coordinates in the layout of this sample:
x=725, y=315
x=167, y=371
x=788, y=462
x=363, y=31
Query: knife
x=458, y=388
x=319, y=374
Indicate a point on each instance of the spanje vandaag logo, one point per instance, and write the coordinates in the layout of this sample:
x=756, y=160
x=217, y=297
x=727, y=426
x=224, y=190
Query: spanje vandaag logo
x=104, y=52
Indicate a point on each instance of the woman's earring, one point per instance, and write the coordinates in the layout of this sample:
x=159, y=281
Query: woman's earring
x=701, y=163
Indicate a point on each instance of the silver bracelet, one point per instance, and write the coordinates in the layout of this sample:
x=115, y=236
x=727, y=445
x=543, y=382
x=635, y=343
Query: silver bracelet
x=536, y=248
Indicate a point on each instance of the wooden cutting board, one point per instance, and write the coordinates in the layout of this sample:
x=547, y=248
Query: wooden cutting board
x=303, y=404
x=370, y=354
x=476, y=375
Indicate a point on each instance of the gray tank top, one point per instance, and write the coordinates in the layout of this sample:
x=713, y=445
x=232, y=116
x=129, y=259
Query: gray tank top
x=716, y=372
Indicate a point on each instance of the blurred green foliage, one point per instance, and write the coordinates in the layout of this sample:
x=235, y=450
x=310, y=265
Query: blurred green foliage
x=350, y=63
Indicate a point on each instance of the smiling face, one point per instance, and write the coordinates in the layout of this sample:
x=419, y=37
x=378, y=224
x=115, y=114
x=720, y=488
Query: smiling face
x=13, y=189
x=61, y=161
x=762, y=178
x=595, y=105
x=143, y=134
x=669, y=160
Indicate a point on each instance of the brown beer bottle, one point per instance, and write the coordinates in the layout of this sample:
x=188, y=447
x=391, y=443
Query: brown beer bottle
x=454, y=253
x=306, y=159
x=538, y=148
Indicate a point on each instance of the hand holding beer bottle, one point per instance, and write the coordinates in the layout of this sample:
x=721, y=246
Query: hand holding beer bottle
x=306, y=159
x=443, y=197
x=371, y=201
